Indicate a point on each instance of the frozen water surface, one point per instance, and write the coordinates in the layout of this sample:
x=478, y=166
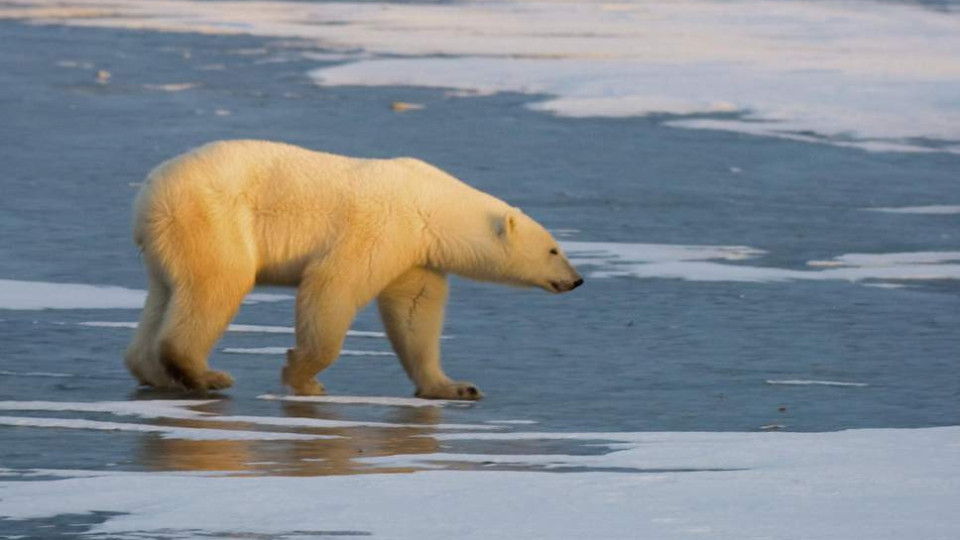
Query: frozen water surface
x=832, y=485
x=765, y=346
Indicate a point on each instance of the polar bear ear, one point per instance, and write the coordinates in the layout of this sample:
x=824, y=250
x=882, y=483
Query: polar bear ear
x=507, y=224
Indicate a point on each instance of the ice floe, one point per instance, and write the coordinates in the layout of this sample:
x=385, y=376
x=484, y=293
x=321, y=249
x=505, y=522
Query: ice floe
x=800, y=71
x=885, y=484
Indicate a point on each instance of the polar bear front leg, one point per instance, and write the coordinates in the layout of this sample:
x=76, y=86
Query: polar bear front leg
x=326, y=307
x=412, y=309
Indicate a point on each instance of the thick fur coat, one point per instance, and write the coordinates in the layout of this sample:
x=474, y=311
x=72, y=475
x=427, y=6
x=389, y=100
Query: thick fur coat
x=216, y=221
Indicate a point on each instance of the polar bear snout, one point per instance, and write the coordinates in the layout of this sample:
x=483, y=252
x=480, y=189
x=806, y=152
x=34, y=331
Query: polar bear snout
x=562, y=287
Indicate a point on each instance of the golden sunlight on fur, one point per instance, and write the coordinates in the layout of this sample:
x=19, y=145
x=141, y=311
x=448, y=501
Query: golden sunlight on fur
x=216, y=221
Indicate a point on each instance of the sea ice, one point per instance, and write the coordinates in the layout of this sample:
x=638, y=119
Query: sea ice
x=801, y=71
x=887, y=484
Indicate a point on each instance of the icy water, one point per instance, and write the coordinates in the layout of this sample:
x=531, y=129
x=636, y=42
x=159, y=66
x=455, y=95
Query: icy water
x=817, y=292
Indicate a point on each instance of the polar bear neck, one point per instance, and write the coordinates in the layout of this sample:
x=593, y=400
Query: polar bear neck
x=460, y=224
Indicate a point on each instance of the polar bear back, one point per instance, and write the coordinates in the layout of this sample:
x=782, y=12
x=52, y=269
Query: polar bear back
x=283, y=204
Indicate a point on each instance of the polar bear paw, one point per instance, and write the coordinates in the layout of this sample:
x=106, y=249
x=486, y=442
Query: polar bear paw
x=451, y=390
x=217, y=380
x=307, y=387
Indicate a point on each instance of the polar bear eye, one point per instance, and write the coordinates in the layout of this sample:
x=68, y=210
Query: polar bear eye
x=554, y=251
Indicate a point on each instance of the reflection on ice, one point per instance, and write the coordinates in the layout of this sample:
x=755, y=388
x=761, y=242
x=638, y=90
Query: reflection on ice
x=369, y=400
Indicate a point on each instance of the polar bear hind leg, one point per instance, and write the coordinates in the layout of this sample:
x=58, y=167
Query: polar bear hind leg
x=195, y=319
x=140, y=358
x=412, y=309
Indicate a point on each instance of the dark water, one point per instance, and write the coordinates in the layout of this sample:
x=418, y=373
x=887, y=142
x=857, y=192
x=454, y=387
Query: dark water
x=616, y=355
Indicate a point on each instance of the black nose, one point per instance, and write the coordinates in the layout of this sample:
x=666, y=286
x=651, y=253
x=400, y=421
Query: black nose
x=577, y=283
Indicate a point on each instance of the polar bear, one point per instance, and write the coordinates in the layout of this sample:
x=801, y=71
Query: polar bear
x=216, y=221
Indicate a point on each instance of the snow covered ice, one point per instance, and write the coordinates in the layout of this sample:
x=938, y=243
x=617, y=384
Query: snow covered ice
x=677, y=485
x=761, y=196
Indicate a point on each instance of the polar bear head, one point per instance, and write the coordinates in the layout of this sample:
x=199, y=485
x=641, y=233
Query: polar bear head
x=531, y=256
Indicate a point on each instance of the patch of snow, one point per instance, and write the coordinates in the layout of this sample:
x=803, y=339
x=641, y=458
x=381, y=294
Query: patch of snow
x=180, y=409
x=324, y=423
x=615, y=252
x=805, y=382
x=884, y=484
x=890, y=259
x=154, y=408
x=935, y=209
x=247, y=328
x=37, y=374
x=36, y=295
x=170, y=87
x=165, y=432
x=800, y=71
x=700, y=263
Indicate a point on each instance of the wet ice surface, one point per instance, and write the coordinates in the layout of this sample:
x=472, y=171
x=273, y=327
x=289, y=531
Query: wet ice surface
x=735, y=284
x=661, y=485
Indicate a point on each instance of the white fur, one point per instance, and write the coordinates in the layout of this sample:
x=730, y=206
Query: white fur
x=214, y=222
